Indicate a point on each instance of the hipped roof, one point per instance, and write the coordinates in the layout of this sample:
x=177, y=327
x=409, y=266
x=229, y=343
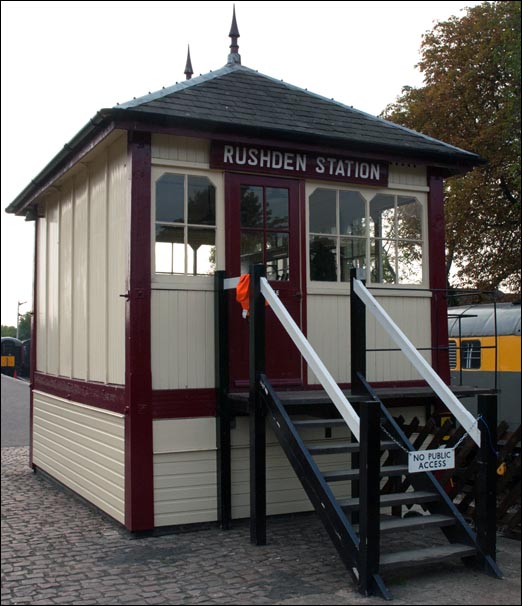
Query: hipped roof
x=236, y=100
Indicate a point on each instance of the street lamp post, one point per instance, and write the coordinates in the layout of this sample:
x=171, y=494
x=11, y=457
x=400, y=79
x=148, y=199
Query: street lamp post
x=20, y=303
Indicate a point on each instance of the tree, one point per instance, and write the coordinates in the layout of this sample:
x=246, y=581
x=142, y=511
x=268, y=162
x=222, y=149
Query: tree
x=471, y=99
x=8, y=331
x=24, y=326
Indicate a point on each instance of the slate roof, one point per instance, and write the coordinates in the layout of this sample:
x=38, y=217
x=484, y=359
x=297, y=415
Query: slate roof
x=236, y=100
x=238, y=96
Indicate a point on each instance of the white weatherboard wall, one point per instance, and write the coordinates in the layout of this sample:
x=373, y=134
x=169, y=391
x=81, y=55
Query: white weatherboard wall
x=83, y=241
x=82, y=447
x=185, y=477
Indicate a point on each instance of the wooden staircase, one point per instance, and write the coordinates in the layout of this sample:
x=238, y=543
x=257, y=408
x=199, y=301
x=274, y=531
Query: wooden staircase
x=355, y=524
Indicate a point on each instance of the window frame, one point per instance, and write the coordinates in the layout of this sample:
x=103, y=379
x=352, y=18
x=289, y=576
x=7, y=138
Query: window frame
x=179, y=280
x=367, y=193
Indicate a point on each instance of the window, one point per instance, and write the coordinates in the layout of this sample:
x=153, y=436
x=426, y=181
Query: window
x=337, y=234
x=383, y=234
x=265, y=230
x=185, y=225
x=470, y=354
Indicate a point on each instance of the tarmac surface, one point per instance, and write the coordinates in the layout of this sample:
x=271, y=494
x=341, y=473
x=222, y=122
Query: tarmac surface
x=56, y=549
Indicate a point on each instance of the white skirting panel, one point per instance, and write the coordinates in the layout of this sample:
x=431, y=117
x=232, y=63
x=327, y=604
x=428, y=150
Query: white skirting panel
x=185, y=472
x=83, y=448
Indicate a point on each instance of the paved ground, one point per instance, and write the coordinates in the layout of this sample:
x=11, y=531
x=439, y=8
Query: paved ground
x=58, y=550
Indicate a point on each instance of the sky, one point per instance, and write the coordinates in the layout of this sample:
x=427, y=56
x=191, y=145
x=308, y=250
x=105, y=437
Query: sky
x=64, y=61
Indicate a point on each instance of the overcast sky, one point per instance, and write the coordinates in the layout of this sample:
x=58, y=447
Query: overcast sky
x=64, y=61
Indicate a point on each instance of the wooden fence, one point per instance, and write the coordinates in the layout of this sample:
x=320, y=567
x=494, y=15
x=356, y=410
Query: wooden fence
x=460, y=482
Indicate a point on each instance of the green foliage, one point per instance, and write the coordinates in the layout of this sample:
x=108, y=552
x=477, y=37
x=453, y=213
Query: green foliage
x=8, y=331
x=24, y=326
x=471, y=99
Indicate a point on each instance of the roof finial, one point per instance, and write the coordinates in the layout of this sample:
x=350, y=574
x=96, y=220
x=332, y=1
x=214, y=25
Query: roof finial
x=188, y=67
x=234, y=58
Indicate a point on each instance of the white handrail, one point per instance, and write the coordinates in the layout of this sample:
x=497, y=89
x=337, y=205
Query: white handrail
x=464, y=417
x=314, y=362
x=229, y=283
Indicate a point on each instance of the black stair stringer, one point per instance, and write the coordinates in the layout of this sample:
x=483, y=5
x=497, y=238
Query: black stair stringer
x=332, y=516
x=461, y=532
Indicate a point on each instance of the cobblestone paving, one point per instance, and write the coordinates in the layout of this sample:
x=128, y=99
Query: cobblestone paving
x=58, y=550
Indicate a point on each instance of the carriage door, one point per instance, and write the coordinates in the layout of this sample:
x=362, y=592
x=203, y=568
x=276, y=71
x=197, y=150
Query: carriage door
x=262, y=220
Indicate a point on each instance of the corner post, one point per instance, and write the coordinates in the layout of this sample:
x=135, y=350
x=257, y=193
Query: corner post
x=256, y=409
x=224, y=483
x=486, y=486
x=369, y=498
x=357, y=337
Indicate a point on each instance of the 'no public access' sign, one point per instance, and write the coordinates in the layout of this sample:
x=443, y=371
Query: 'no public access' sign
x=431, y=460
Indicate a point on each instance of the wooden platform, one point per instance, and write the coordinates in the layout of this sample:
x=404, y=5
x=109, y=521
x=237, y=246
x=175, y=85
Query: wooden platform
x=391, y=396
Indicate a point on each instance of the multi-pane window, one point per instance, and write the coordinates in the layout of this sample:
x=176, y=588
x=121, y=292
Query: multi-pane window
x=185, y=225
x=337, y=225
x=265, y=230
x=383, y=234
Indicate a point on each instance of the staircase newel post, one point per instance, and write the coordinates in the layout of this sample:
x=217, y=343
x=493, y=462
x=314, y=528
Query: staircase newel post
x=486, y=486
x=256, y=409
x=357, y=336
x=369, y=496
x=223, y=410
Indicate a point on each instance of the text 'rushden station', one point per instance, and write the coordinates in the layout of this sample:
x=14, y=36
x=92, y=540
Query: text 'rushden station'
x=292, y=161
x=297, y=163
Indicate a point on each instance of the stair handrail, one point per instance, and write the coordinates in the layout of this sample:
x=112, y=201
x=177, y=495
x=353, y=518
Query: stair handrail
x=328, y=383
x=465, y=418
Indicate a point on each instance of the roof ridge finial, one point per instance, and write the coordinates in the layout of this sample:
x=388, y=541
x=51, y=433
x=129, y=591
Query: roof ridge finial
x=234, y=58
x=188, y=66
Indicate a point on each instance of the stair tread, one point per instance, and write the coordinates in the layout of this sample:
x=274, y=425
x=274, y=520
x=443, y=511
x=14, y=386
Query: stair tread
x=425, y=555
x=351, y=474
x=421, y=521
x=321, y=423
x=328, y=448
x=395, y=498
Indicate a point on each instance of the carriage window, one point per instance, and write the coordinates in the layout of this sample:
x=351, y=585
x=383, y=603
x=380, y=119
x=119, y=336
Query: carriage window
x=185, y=225
x=470, y=354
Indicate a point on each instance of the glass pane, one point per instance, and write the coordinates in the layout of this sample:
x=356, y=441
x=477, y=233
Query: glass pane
x=251, y=206
x=409, y=218
x=277, y=258
x=201, y=201
x=170, y=249
x=382, y=216
x=276, y=207
x=170, y=197
x=251, y=249
x=352, y=213
x=470, y=354
x=201, y=252
x=322, y=212
x=382, y=261
x=409, y=262
x=353, y=254
x=323, y=264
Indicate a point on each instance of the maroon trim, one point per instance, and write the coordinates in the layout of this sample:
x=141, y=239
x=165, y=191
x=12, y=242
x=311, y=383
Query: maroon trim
x=32, y=355
x=447, y=167
x=139, y=494
x=99, y=395
x=304, y=266
x=183, y=403
x=437, y=269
